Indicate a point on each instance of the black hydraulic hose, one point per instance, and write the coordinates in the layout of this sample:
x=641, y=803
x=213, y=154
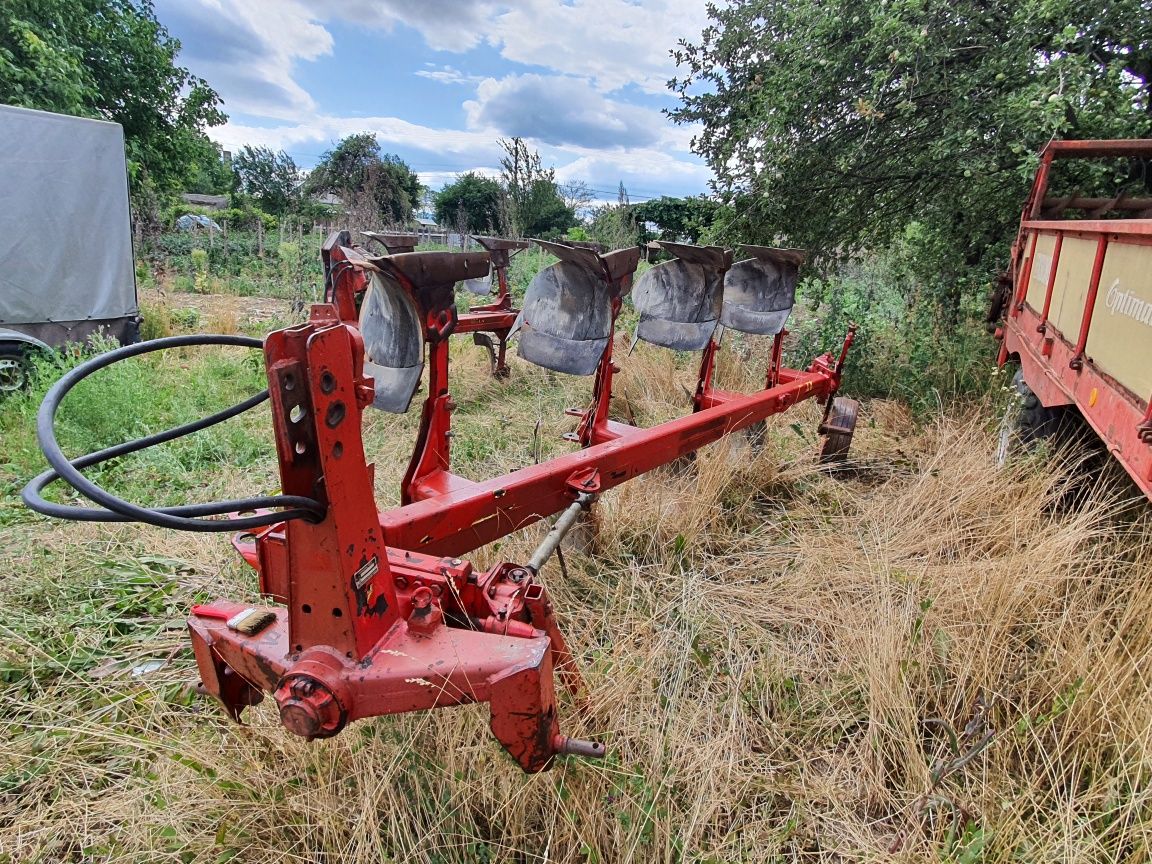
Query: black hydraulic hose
x=114, y=509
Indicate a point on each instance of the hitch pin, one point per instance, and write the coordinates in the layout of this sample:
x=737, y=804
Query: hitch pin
x=559, y=530
x=566, y=746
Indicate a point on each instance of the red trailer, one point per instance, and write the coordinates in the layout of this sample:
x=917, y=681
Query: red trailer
x=1079, y=317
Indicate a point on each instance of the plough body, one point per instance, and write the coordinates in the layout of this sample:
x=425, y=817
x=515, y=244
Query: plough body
x=377, y=612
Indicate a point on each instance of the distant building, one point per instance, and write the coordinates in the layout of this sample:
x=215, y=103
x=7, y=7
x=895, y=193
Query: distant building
x=212, y=202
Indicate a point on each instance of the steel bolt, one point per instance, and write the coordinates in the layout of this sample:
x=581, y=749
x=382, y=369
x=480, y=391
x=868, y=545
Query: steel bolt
x=308, y=707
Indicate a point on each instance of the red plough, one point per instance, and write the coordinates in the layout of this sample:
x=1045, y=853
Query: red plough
x=374, y=612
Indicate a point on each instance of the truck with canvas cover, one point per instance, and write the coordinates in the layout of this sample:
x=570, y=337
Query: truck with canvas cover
x=1079, y=312
x=65, y=236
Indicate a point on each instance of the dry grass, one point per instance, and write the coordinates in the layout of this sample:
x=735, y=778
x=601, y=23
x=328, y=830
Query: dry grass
x=926, y=657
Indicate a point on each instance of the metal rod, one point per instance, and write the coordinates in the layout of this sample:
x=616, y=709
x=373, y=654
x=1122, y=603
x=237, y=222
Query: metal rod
x=1077, y=361
x=1053, y=266
x=560, y=529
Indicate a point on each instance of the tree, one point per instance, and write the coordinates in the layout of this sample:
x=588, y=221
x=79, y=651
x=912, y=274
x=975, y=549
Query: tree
x=577, y=195
x=113, y=60
x=679, y=219
x=208, y=173
x=841, y=125
x=615, y=225
x=534, y=201
x=472, y=204
x=272, y=179
x=383, y=186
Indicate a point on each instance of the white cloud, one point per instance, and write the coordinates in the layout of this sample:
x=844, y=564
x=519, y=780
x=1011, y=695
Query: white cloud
x=321, y=130
x=246, y=53
x=613, y=42
x=578, y=114
x=446, y=25
x=447, y=75
x=560, y=110
x=645, y=173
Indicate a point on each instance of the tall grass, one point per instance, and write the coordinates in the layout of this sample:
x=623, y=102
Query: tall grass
x=922, y=657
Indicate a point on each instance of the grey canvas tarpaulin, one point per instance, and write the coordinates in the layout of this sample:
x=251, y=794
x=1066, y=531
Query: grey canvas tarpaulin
x=66, y=264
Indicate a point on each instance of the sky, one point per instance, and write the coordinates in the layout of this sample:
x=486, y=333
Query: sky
x=440, y=81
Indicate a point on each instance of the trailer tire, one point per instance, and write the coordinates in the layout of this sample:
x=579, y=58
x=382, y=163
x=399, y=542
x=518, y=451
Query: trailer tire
x=1027, y=422
x=15, y=368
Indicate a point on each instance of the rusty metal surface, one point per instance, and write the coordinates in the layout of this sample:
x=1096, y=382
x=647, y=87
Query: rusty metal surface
x=759, y=294
x=493, y=244
x=837, y=429
x=582, y=255
x=394, y=243
x=425, y=270
x=566, y=321
x=712, y=257
x=679, y=301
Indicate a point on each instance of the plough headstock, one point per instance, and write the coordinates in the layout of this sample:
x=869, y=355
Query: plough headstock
x=376, y=612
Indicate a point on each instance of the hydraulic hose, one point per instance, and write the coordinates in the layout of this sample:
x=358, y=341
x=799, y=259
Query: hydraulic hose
x=114, y=509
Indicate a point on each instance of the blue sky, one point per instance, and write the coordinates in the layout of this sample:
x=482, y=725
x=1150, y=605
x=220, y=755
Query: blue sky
x=439, y=81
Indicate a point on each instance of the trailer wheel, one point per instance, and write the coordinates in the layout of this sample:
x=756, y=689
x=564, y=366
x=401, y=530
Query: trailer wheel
x=15, y=368
x=837, y=430
x=1027, y=422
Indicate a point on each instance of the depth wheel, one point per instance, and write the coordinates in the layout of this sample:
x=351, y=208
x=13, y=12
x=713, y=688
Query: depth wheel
x=837, y=431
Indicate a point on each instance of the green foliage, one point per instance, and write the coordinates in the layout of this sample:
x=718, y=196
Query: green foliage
x=472, y=204
x=536, y=206
x=834, y=126
x=195, y=262
x=243, y=215
x=904, y=349
x=111, y=59
x=678, y=219
x=208, y=174
x=355, y=170
x=272, y=180
x=616, y=225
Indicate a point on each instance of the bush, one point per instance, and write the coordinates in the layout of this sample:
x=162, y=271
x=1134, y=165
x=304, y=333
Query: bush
x=906, y=347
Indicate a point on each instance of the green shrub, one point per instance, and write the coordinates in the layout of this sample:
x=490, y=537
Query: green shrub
x=906, y=347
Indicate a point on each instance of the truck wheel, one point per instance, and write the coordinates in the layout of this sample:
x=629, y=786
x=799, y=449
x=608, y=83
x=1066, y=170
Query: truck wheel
x=1026, y=422
x=15, y=369
x=838, y=430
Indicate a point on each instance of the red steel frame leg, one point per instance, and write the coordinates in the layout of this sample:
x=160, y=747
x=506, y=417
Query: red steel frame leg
x=1042, y=327
x=1077, y=361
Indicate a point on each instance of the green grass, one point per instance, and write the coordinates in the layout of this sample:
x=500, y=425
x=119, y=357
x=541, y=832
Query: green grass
x=923, y=658
x=131, y=400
